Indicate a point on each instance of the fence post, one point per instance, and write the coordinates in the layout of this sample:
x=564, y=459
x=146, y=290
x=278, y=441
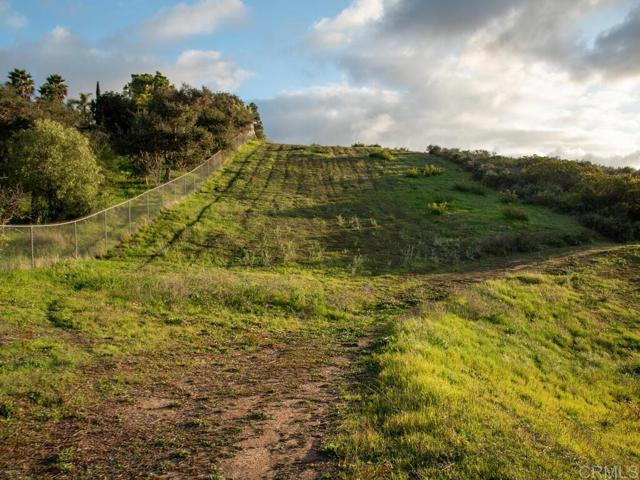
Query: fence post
x=130, y=226
x=33, y=252
x=106, y=235
x=75, y=240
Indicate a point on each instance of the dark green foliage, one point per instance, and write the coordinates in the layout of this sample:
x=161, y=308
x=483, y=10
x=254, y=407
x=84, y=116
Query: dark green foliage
x=152, y=128
x=22, y=82
x=54, y=89
x=603, y=198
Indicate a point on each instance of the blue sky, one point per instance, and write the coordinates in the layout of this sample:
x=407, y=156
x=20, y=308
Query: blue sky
x=267, y=42
x=557, y=77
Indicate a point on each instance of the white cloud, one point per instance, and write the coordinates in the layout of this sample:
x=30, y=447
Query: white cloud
x=331, y=114
x=338, y=31
x=197, y=67
x=9, y=17
x=502, y=77
x=82, y=64
x=201, y=18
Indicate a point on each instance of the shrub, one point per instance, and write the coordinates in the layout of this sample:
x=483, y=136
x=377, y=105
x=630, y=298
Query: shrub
x=382, y=155
x=438, y=208
x=431, y=170
x=412, y=173
x=56, y=166
x=470, y=187
x=508, y=196
x=515, y=213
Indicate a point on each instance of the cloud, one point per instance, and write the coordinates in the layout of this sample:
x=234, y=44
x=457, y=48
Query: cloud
x=500, y=75
x=82, y=64
x=197, y=67
x=185, y=20
x=331, y=114
x=9, y=17
x=338, y=31
x=617, y=51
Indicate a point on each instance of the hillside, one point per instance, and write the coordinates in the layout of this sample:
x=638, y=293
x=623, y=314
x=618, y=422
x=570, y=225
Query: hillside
x=318, y=311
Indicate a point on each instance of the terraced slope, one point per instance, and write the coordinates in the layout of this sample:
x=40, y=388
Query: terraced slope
x=337, y=208
x=317, y=313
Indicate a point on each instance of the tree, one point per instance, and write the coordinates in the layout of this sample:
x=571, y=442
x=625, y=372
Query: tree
x=22, y=81
x=97, y=90
x=165, y=133
x=82, y=103
x=55, y=165
x=54, y=89
x=259, y=127
x=114, y=113
x=142, y=87
x=10, y=198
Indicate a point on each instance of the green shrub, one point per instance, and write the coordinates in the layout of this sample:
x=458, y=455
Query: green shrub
x=509, y=196
x=431, y=170
x=382, y=155
x=412, y=173
x=515, y=213
x=438, y=208
x=56, y=166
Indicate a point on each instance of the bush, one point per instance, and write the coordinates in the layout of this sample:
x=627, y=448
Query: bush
x=470, y=187
x=436, y=208
x=515, y=213
x=55, y=165
x=382, y=155
x=509, y=196
x=412, y=173
x=431, y=170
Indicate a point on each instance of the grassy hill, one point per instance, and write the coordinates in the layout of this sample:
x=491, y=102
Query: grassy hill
x=321, y=311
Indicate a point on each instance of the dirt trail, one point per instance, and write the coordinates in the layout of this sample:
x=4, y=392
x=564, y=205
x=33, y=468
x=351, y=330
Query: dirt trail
x=244, y=416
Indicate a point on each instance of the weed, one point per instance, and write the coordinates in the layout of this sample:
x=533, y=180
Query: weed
x=515, y=213
x=438, y=208
x=59, y=316
x=382, y=155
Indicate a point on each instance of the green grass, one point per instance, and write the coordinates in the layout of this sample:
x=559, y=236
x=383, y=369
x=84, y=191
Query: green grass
x=529, y=372
x=326, y=207
x=528, y=375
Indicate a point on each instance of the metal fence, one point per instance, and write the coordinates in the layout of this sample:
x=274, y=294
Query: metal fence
x=32, y=246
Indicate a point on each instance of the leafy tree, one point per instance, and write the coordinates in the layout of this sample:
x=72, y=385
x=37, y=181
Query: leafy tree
x=259, y=127
x=142, y=87
x=114, y=113
x=22, y=81
x=55, y=165
x=165, y=134
x=54, y=89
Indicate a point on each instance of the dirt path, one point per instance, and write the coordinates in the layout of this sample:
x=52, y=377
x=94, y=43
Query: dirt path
x=241, y=416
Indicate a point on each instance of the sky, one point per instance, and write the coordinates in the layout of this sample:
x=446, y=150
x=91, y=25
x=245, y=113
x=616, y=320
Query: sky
x=519, y=77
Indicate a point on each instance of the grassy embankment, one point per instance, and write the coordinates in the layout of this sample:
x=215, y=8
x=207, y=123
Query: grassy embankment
x=296, y=245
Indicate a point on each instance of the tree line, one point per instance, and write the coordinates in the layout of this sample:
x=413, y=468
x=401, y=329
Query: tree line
x=604, y=199
x=51, y=150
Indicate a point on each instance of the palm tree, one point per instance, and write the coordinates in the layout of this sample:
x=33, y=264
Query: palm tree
x=54, y=88
x=22, y=82
x=82, y=103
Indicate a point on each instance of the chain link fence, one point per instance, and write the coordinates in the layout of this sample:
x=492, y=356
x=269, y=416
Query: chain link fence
x=33, y=246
